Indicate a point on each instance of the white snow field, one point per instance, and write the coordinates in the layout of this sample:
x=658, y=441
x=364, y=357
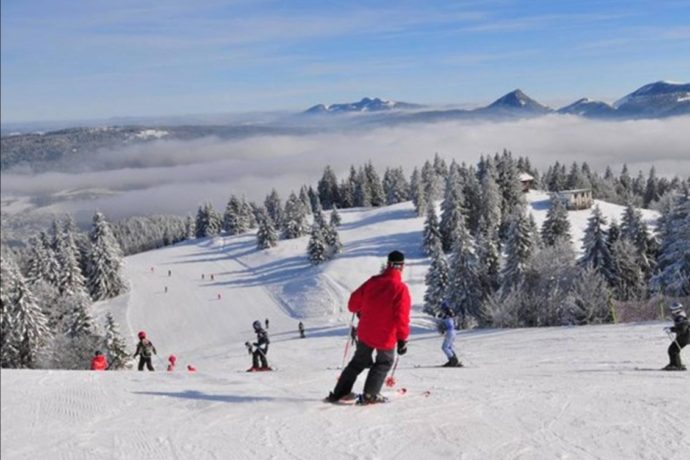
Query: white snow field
x=570, y=392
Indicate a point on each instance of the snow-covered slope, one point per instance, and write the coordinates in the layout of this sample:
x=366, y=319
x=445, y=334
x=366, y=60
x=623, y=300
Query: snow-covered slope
x=540, y=393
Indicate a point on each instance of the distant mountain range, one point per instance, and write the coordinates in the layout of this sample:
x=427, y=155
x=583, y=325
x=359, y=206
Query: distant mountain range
x=655, y=100
x=65, y=148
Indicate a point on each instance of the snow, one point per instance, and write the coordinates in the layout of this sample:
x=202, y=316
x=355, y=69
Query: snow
x=151, y=134
x=684, y=98
x=525, y=393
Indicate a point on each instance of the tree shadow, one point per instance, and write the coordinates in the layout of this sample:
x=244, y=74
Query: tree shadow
x=380, y=217
x=542, y=205
x=199, y=396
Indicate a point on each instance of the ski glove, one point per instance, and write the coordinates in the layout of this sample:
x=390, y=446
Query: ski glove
x=402, y=347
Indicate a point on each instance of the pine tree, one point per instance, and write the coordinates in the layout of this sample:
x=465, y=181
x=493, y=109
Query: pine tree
x=395, y=186
x=588, y=299
x=24, y=326
x=36, y=261
x=432, y=232
x=305, y=199
x=417, y=192
x=332, y=239
x=317, y=248
x=362, y=190
x=673, y=269
x=294, y=220
x=266, y=235
x=236, y=218
x=116, y=349
x=71, y=280
x=208, y=222
x=629, y=278
x=596, y=253
x=104, y=262
x=488, y=258
x=189, y=228
x=335, y=219
x=651, y=192
x=465, y=291
x=452, y=211
x=519, y=248
x=490, y=199
x=432, y=182
x=274, y=208
x=436, y=281
x=378, y=197
x=508, y=181
x=328, y=188
x=472, y=201
x=556, y=226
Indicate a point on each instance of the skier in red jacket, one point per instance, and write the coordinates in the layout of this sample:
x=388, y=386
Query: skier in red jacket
x=98, y=362
x=383, y=306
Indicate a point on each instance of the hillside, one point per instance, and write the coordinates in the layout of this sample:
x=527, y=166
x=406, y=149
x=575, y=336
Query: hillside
x=539, y=393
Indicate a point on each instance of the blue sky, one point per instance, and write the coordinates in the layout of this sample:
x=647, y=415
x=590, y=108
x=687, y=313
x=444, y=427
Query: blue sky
x=64, y=60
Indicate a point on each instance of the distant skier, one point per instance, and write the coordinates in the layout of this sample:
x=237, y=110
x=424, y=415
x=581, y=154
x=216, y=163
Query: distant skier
x=166, y=289
x=448, y=328
x=145, y=350
x=212, y=277
x=219, y=296
x=259, y=349
x=300, y=327
x=98, y=362
x=169, y=272
x=172, y=359
x=383, y=305
x=266, y=322
x=682, y=330
x=202, y=276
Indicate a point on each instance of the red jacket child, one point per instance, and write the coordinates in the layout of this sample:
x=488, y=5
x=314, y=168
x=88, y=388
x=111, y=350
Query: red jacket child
x=171, y=363
x=98, y=363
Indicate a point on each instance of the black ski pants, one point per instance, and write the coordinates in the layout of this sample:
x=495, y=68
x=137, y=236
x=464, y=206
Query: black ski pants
x=361, y=360
x=674, y=349
x=259, y=355
x=146, y=361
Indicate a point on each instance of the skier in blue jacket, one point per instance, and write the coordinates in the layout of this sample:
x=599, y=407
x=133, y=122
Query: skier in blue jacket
x=448, y=328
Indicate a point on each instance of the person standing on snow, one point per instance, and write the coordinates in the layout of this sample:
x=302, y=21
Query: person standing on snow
x=448, y=328
x=383, y=306
x=145, y=350
x=99, y=363
x=172, y=359
x=260, y=349
x=300, y=327
x=682, y=330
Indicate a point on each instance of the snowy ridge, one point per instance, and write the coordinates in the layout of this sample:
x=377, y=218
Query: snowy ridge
x=582, y=399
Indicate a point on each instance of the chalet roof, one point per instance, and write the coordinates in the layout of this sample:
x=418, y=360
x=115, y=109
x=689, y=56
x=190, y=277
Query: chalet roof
x=571, y=192
x=524, y=177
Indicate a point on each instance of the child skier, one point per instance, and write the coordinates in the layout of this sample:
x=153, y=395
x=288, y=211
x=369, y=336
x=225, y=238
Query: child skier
x=260, y=349
x=98, y=363
x=145, y=350
x=448, y=328
x=682, y=330
x=171, y=363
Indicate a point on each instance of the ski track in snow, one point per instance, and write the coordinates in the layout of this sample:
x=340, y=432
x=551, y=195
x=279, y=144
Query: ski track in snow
x=570, y=393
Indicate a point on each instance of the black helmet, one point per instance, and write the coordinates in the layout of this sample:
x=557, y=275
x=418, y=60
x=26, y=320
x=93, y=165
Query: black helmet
x=256, y=325
x=396, y=258
x=97, y=353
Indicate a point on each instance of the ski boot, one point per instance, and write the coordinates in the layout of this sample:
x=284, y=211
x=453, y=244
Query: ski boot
x=673, y=367
x=365, y=399
x=348, y=398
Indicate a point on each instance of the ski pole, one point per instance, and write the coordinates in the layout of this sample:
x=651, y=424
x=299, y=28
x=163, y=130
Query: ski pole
x=347, y=344
x=390, y=381
x=675, y=340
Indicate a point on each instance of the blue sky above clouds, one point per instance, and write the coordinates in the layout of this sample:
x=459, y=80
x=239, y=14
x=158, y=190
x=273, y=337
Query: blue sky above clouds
x=98, y=58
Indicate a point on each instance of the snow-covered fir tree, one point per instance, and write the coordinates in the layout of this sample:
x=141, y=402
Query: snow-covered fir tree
x=328, y=188
x=519, y=248
x=673, y=269
x=189, y=228
x=208, y=222
x=651, y=192
x=488, y=257
x=465, y=292
x=332, y=239
x=628, y=277
x=432, y=182
x=395, y=186
x=556, y=227
x=115, y=346
x=104, y=263
x=317, y=249
x=451, y=209
x=378, y=197
x=472, y=200
x=436, y=280
x=432, y=232
x=266, y=235
x=274, y=208
x=335, y=219
x=596, y=253
x=589, y=299
x=24, y=326
x=35, y=263
x=70, y=280
x=508, y=180
x=417, y=192
x=490, y=198
x=347, y=189
x=294, y=218
x=236, y=218
x=305, y=199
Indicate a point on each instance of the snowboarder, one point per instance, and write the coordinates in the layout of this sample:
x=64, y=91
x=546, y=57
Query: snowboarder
x=383, y=306
x=145, y=350
x=98, y=362
x=448, y=328
x=300, y=326
x=682, y=330
x=171, y=362
x=259, y=349
x=266, y=322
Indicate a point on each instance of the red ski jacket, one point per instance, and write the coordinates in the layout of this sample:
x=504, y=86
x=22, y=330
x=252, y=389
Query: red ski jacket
x=98, y=363
x=383, y=305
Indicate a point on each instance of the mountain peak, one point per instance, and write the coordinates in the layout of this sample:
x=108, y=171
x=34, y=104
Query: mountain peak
x=517, y=99
x=366, y=104
x=660, y=98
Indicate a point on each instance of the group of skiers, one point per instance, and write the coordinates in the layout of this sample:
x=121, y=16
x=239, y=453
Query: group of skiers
x=382, y=305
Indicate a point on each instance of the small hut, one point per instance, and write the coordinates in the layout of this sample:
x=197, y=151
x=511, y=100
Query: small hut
x=576, y=199
x=527, y=182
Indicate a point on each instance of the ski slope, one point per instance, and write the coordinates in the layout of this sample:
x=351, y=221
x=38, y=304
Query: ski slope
x=587, y=392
